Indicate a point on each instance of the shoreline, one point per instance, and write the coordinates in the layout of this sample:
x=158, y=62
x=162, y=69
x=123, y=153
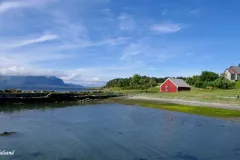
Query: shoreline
x=195, y=107
x=185, y=102
x=32, y=98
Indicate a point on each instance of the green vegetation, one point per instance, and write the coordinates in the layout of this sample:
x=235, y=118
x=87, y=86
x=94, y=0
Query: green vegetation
x=154, y=90
x=210, y=80
x=207, y=79
x=207, y=87
x=238, y=84
x=227, y=96
x=205, y=111
x=136, y=82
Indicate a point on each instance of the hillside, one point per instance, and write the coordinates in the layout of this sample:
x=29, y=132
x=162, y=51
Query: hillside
x=35, y=82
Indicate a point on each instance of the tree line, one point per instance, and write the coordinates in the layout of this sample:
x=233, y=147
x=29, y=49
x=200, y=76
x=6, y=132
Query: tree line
x=137, y=82
x=207, y=79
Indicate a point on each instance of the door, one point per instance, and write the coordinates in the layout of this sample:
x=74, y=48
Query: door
x=166, y=88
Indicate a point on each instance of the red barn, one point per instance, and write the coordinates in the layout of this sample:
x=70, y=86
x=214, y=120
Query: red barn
x=174, y=85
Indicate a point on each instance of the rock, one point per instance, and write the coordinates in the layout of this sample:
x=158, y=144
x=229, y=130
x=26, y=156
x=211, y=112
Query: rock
x=7, y=133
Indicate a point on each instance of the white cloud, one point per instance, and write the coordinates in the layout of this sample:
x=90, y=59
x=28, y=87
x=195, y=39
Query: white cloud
x=30, y=58
x=44, y=38
x=96, y=79
x=76, y=35
x=71, y=36
x=83, y=76
x=27, y=54
x=6, y=6
x=126, y=22
x=132, y=50
x=30, y=71
x=166, y=28
x=87, y=76
x=110, y=41
x=91, y=76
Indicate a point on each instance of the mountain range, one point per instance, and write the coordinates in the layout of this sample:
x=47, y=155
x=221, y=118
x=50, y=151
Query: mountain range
x=36, y=83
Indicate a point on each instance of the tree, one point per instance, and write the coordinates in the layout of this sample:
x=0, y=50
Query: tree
x=199, y=84
x=136, y=79
x=135, y=82
x=194, y=79
x=189, y=80
x=152, y=82
x=208, y=76
x=206, y=80
x=224, y=83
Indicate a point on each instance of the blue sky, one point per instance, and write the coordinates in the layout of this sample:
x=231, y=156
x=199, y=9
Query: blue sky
x=92, y=41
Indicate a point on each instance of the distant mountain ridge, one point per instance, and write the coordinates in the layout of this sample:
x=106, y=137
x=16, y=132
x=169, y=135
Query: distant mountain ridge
x=35, y=82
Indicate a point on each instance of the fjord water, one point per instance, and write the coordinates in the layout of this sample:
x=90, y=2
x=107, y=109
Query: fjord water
x=116, y=132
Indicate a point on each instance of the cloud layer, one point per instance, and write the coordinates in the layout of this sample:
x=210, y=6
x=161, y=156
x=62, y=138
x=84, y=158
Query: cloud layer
x=90, y=42
x=166, y=28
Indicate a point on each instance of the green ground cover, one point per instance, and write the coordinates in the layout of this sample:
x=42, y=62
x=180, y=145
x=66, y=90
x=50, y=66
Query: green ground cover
x=205, y=111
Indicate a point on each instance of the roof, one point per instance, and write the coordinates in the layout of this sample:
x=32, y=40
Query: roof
x=229, y=70
x=179, y=82
x=237, y=69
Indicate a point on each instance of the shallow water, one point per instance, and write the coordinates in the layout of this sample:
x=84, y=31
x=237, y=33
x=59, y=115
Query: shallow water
x=117, y=132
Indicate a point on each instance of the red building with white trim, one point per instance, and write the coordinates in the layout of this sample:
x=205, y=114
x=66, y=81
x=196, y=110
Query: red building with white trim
x=174, y=85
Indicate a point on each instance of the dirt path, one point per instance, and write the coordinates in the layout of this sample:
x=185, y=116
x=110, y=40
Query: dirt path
x=187, y=102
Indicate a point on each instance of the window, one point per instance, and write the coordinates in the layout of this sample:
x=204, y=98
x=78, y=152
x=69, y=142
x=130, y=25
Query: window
x=166, y=88
x=232, y=76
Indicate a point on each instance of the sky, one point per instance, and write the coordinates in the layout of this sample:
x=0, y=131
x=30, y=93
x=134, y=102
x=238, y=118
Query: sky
x=89, y=42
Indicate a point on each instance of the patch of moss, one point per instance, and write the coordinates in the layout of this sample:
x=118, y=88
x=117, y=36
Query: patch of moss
x=205, y=111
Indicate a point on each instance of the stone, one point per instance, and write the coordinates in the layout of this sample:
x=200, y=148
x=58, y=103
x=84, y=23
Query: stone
x=7, y=133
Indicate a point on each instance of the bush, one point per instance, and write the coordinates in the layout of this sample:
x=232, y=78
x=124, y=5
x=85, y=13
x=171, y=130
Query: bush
x=211, y=84
x=211, y=80
x=199, y=84
x=189, y=80
x=208, y=76
x=223, y=83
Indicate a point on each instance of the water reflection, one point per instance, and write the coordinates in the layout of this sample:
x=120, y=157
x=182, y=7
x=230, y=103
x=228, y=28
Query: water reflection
x=119, y=132
x=17, y=108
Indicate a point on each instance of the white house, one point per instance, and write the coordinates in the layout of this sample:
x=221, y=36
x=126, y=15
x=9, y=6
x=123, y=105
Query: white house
x=233, y=73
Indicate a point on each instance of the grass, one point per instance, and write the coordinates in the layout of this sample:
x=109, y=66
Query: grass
x=204, y=95
x=196, y=94
x=238, y=84
x=205, y=111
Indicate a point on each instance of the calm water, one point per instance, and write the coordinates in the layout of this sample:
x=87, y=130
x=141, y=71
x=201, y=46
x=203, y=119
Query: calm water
x=117, y=132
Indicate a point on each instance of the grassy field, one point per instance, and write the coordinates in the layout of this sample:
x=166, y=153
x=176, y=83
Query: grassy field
x=205, y=111
x=238, y=84
x=196, y=94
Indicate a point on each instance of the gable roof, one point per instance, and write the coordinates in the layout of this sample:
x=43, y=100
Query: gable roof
x=179, y=82
x=230, y=71
x=237, y=69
